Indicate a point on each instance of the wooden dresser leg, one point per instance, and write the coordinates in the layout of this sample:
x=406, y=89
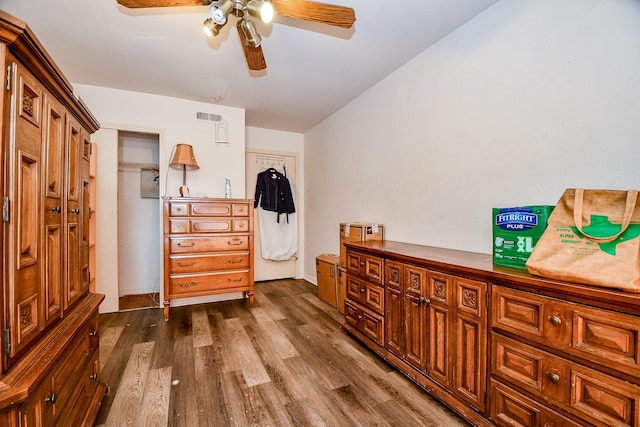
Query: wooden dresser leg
x=166, y=310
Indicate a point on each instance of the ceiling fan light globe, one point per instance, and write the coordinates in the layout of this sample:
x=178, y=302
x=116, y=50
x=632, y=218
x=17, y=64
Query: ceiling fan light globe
x=211, y=29
x=250, y=33
x=220, y=10
x=261, y=9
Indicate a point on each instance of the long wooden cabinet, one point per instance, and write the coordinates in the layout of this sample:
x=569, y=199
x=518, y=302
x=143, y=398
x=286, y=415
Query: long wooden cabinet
x=49, y=369
x=208, y=248
x=497, y=345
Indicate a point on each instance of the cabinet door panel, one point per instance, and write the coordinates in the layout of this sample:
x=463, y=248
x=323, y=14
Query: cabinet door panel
x=23, y=240
x=394, y=308
x=439, y=367
x=415, y=313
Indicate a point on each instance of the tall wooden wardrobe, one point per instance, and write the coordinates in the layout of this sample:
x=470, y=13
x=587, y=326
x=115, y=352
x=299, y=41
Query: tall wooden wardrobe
x=49, y=319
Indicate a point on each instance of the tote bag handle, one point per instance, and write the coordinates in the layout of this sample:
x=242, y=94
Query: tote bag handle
x=632, y=196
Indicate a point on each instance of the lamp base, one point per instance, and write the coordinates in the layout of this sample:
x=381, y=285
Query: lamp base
x=184, y=191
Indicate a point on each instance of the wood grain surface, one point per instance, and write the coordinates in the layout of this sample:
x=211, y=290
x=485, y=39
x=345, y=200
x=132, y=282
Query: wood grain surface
x=282, y=362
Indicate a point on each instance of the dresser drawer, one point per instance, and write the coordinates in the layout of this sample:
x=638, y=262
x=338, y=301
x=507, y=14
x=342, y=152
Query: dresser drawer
x=209, y=244
x=178, y=209
x=368, y=266
x=509, y=408
x=197, y=284
x=370, y=324
x=606, y=337
x=209, y=225
x=211, y=209
x=591, y=395
x=369, y=295
x=208, y=262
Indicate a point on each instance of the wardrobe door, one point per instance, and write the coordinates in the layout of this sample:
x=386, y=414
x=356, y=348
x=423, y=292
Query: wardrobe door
x=84, y=210
x=24, y=257
x=53, y=204
x=72, y=218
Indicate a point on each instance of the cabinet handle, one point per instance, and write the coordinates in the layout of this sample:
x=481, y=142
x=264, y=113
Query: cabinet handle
x=75, y=211
x=236, y=243
x=93, y=333
x=51, y=398
x=363, y=290
x=553, y=377
x=359, y=316
x=191, y=264
x=362, y=263
x=555, y=320
x=230, y=261
x=56, y=209
x=190, y=245
x=425, y=300
x=93, y=376
x=186, y=285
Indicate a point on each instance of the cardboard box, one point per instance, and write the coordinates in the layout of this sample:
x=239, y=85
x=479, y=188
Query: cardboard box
x=358, y=232
x=327, y=275
x=515, y=233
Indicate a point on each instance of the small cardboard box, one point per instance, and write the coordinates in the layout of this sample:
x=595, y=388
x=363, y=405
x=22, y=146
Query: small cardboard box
x=328, y=277
x=358, y=232
x=515, y=233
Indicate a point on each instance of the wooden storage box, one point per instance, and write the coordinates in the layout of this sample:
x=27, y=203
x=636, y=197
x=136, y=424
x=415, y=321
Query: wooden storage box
x=328, y=278
x=358, y=232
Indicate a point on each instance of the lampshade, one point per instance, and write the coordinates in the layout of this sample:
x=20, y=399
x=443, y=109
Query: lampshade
x=183, y=158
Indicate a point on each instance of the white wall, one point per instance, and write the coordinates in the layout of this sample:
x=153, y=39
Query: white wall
x=525, y=100
x=288, y=142
x=174, y=121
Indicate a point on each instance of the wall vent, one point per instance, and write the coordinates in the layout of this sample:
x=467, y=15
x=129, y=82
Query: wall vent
x=208, y=117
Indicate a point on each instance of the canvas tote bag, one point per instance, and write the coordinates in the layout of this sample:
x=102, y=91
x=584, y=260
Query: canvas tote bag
x=592, y=237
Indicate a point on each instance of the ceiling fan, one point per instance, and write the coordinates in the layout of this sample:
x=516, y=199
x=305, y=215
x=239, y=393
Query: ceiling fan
x=251, y=40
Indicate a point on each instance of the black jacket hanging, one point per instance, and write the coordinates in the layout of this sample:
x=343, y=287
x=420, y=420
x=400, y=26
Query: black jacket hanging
x=273, y=193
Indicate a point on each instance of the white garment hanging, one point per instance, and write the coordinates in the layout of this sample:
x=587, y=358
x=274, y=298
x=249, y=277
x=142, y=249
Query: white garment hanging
x=278, y=240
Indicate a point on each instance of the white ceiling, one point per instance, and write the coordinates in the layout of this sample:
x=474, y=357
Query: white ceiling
x=312, y=70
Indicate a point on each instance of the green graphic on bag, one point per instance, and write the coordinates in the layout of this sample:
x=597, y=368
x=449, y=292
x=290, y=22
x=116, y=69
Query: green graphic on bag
x=600, y=226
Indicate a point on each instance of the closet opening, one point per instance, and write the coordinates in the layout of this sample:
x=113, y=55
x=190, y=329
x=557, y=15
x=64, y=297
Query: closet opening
x=139, y=279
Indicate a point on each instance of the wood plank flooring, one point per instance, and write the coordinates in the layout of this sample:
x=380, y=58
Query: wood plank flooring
x=282, y=362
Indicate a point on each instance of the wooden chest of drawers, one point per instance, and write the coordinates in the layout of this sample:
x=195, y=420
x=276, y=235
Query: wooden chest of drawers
x=571, y=357
x=495, y=344
x=208, y=248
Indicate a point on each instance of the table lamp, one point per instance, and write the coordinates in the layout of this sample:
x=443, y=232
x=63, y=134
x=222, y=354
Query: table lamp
x=184, y=159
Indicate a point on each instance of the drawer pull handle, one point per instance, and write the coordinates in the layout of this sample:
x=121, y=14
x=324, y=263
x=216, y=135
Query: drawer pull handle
x=553, y=377
x=362, y=263
x=425, y=300
x=359, y=316
x=51, y=398
x=555, y=320
x=56, y=209
x=186, y=285
x=191, y=264
x=93, y=376
x=363, y=290
x=240, y=261
x=234, y=280
x=93, y=333
x=75, y=211
x=190, y=245
x=235, y=243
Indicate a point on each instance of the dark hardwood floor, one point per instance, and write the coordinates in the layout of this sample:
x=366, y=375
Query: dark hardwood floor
x=282, y=362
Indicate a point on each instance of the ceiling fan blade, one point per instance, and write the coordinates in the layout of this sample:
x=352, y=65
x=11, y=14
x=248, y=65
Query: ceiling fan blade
x=338, y=16
x=134, y=4
x=254, y=55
